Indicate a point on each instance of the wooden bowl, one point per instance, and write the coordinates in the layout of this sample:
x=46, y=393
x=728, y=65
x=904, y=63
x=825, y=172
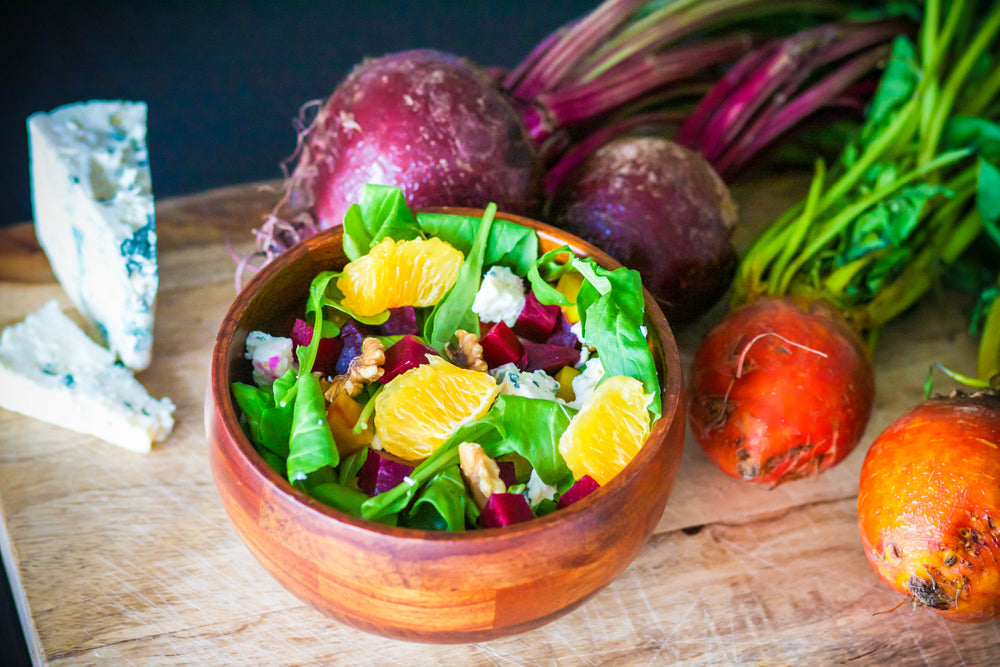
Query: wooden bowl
x=424, y=585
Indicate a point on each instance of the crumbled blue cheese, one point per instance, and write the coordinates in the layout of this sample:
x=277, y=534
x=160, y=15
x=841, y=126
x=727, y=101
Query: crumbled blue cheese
x=577, y=330
x=500, y=297
x=534, y=384
x=92, y=202
x=52, y=371
x=585, y=383
x=271, y=356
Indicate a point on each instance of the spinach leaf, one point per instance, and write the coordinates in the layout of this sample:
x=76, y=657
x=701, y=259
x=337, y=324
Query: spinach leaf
x=380, y=213
x=311, y=445
x=269, y=418
x=442, y=500
x=552, y=269
x=612, y=322
x=397, y=498
x=454, y=310
x=323, y=292
x=530, y=427
x=509, y=244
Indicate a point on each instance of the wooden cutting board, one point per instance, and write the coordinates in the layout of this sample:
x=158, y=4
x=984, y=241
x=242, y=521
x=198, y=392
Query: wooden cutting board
x=118, y=557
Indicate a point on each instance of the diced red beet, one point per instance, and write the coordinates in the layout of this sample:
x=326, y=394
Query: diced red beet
x=563, y=334
x=351, y=334
x=402, y=321
x=508, y=473
x=381, y=472
x=329, y=348
x=536, y=320
x=581, y=488
x=503, y=509
x=545, y=357
x=406, y=353
x=501, y=346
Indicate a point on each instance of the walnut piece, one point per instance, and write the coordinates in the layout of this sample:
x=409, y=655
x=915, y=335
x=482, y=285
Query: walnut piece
x=363, y=369
x=480, y=471
x=468, y=353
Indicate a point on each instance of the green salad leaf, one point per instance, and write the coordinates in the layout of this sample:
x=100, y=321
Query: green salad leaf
x=311, y=446
x=380, y=213
x=509, y=243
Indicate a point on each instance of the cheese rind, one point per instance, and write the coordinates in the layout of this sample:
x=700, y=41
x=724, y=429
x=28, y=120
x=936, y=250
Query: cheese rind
x=94, y=216
x=52, y=371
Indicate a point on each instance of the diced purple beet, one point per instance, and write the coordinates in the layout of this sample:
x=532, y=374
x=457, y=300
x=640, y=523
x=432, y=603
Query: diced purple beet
x=503, y=509
x=406, y=353
x=381, y=472
x=537, y=320
x=501, y=346
x=563, y=334
x=545, y=357
x=508, y=473
x=328, y=350
x=351, y=334
x=581, y=488
x=402, y=321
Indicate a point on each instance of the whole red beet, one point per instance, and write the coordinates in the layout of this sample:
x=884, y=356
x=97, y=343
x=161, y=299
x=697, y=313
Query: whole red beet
x=428, y=122
x=659, y=208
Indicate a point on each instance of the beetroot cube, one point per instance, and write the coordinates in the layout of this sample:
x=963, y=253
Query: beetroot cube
x=503, y=509
x=536, y=320
x=545, y=357
x=508, y=473
x=329, y=348
x=563, y=334
x=408, y=352
x=402, y=321
x=501, y=346
x=381, y=472
x=581, y=488
x=351, y=334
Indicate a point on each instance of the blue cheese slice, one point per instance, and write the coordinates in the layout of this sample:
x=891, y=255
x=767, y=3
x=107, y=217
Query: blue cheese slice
x=94, y=217
x=51, y=370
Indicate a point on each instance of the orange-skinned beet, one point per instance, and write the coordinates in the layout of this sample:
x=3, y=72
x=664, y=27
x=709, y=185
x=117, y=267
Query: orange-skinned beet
x=929, y=506
x=780, y=389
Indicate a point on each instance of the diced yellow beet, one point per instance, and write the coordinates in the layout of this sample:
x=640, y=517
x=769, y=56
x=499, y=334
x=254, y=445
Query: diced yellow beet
x=569, y=284
x=565, y=379
x=343, y=414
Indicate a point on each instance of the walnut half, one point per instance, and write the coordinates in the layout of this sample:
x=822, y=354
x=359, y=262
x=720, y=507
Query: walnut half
x=480, y=471
x=363, y=369
x=467, y=353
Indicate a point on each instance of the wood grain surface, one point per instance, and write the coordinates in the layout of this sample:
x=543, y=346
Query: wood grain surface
x=124, y=558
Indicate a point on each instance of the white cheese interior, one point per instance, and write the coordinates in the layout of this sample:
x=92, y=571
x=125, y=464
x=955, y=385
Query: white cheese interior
x=51, y=370
x=94, y=217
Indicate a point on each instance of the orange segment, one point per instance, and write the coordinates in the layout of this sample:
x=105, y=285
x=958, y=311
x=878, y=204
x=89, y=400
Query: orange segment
x=608, y=431
x=419, y=409
x=399, y=273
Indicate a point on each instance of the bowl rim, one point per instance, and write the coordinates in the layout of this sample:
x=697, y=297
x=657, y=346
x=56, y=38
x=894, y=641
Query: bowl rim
x=671, y=391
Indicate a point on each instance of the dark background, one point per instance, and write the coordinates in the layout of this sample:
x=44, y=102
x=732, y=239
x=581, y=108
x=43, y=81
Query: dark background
x=223, y=81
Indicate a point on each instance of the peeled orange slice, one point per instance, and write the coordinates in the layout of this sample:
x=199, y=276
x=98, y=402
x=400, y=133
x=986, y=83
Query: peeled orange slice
x=419, y=409
x=608, y=430
x=399, y=273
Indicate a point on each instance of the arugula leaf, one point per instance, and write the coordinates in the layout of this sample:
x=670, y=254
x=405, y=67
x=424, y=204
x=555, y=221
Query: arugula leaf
x=454, y=310
x=311, y=445
x=380, y=213
x=441, y=504
x=509, y=244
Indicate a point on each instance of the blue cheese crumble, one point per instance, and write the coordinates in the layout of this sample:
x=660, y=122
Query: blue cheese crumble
x=534, y=384
x=271, y=356
x=500, y=297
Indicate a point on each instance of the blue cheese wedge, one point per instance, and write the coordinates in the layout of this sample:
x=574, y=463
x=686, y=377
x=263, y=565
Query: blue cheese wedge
x=51, y=370
x=94, y=217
